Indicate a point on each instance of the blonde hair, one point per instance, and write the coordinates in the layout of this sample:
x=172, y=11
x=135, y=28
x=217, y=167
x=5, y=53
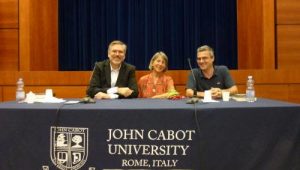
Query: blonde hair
x=155, y=56
x=117, y=42
x=206, y=48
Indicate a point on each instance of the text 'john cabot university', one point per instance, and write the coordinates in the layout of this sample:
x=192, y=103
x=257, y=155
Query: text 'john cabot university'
x=140, y=135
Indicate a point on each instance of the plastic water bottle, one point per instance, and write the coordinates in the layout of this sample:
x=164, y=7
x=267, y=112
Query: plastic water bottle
x=250, y=92
x=20, y=93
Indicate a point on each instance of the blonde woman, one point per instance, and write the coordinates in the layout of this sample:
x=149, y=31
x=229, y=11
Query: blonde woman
x=157, y=84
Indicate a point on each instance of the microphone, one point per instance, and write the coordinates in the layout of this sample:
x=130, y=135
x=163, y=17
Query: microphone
x=194, y=99
x=87, y=100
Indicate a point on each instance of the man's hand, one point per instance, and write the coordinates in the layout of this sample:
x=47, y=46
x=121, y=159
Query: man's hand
x=216, y=93
x=125, y=91
x=101, y=95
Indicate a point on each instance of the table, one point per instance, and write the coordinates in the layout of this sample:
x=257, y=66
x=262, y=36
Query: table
x=150, y=134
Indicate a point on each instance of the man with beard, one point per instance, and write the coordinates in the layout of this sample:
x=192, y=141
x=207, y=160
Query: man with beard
x=113, y=78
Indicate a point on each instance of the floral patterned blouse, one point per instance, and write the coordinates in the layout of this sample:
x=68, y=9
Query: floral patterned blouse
x=148, y=89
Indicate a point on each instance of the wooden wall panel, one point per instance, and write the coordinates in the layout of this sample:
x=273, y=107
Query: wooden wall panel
x=9, y=93
x=1, y=93
x=269, y=58
x=274, y=84
x=74, y=78
x=255, y=25
x=278, y=92
x=250, y=42
x=44, y=35
x=9, y=49
x=24, y=35
x=294, y=93
x=8, y=13
x=249, y=46
x=288, y=46
x=46, y=78
x=39, y=35
x=288, y=11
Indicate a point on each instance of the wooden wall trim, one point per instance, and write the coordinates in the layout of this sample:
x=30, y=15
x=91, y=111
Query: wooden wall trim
x=255, y=25
x=288, y=46
x=9, y=14
x=38, y=35
x=9, y=49
x=24, y=35
x=1, y=93
x=249, y=35
x=269, y=58
x=73, y=78
x=288, y=12
x=288, y=34
x=44, y=35
x=274, y=84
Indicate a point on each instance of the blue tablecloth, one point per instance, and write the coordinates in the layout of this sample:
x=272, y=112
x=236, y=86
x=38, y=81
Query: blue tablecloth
x=151, y=134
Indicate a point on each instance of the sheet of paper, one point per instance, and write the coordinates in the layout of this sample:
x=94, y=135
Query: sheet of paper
x=72, y=102
x=210, y=101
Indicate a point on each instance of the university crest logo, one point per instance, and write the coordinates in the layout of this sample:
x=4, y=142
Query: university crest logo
x=68, y=147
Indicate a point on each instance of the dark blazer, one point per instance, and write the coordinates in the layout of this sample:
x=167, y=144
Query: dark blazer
x=101, y=80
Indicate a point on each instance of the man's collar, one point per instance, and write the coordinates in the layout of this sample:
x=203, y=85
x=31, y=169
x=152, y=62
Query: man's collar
x=118, y=69
x=214, y=73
